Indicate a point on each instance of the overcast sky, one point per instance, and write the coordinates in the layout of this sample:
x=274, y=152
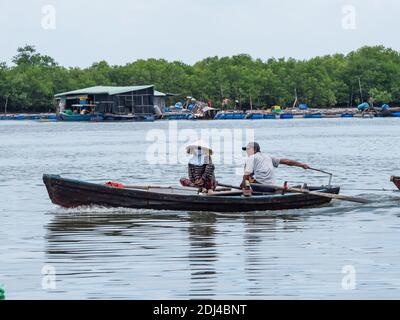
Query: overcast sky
x=80, y=32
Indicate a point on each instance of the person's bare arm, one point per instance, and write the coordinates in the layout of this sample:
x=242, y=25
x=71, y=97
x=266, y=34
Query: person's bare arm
x=293, y=163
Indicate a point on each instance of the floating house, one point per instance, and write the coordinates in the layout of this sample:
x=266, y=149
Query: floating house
x=137, y=100
x=160, y=99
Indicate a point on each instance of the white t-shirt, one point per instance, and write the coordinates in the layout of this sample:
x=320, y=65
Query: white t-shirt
x=262, y=167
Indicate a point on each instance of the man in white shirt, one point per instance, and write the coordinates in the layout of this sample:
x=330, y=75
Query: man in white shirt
x=260, y=168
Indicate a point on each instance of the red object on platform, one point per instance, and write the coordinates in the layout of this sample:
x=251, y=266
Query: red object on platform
x=115, y=184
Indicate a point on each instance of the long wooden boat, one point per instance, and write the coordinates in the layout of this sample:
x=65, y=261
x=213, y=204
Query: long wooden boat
x=73, y=193
x=118, y=117
x=396, y=181
x=62, y=116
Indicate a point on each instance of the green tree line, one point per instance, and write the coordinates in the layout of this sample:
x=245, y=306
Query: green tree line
x=30, y=83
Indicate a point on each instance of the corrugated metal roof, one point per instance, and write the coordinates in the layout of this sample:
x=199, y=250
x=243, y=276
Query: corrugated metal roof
x=159, y=94
x=104, y=90
x=162, y=94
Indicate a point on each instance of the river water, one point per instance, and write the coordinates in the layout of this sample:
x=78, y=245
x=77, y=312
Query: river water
x=340, y=251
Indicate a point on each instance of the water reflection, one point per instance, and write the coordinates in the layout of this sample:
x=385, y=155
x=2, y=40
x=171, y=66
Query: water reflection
x=132, y=254
x=202, y=254
x=96, y=244
x=258, y=261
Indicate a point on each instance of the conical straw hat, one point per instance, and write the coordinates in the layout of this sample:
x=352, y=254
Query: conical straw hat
x=199, y=143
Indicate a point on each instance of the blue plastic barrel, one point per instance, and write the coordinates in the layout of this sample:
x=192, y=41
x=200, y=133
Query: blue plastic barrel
x=270, y=116
x=286, y=116
x=256, y=116
x=313, y=116
x=347, y=115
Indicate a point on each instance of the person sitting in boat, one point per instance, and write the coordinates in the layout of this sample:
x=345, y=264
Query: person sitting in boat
x=260, y=168
x=200, y=168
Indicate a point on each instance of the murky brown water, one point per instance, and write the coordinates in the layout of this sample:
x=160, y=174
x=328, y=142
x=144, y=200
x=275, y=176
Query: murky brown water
x=102, y=253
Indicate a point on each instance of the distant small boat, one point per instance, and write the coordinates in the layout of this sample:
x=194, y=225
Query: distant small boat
x=80, y=117
x=176, y=116
x=255, y=116
x=145, y=118
x=118, y=117
x=48, y=117
x=347, y=115
x=20, y=117
x=313, y=116
x=396, y=181
x=223, y=115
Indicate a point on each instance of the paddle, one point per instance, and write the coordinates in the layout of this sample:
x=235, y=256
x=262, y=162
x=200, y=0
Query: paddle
x=194, y=189
x=328, y=195
x=316, y=193
x=228, y=186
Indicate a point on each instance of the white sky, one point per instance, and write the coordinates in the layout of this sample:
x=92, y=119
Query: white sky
x=122, y=31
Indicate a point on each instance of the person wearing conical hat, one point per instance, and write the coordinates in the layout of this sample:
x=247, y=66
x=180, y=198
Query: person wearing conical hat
x=200, y=167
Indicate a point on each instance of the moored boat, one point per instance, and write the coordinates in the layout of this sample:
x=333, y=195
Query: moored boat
x=396, y=181
x=73, y=193
x=176, y=115
x=313, y=115
x=119, y=117
x=347, y=115
x=230, y=115
x=80, y=117
x=255, y=116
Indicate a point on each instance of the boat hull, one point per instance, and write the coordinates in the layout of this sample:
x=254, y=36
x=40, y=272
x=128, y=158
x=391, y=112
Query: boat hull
x=80, y=117
x=396, y=181
x=72, y=193
x=114, y=117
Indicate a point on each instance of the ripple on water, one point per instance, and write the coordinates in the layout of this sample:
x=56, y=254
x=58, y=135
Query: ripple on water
x=125, y=253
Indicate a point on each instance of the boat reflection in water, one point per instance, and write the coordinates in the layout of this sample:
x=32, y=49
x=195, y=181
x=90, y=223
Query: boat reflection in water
x=140, y=254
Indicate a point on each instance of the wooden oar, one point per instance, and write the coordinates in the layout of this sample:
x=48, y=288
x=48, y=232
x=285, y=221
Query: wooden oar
x=316, y=193
x=172, y=188
x=228, y=186
x=160, y=187
x=378, y=190
x=328, y=195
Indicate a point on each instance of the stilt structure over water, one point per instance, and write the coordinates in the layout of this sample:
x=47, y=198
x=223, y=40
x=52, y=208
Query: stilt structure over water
x=106, y=103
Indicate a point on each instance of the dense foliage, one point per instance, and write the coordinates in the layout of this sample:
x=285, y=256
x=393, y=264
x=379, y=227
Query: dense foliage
x=332, y=80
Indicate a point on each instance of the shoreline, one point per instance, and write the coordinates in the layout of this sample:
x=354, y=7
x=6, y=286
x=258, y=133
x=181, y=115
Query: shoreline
x=225, y=115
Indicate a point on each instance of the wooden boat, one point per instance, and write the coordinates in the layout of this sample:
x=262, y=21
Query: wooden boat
x=62, y=116
x=396, y=181
x=118, y=117
x=73, y=193
x=317, y=115
x=230, y=115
